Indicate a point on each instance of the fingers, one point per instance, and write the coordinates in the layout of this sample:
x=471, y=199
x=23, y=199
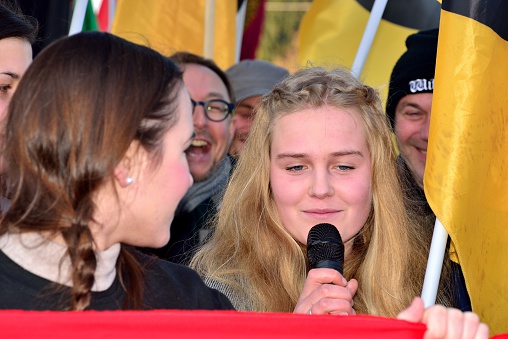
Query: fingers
x=318, y=277
x=414, y=312
x=482, y=332
x=446, y=323
x=472, y=322
x=327, y=299
x=473, y=328
x=451, y=323
x=326, y=291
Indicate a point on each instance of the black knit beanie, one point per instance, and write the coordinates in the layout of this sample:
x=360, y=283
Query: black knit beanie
x=414, y=71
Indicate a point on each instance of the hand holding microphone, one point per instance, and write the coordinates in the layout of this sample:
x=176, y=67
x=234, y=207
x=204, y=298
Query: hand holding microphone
x=326, y=291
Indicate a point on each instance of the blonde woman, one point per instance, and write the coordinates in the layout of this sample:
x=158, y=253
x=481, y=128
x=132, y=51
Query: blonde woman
x=319, y=151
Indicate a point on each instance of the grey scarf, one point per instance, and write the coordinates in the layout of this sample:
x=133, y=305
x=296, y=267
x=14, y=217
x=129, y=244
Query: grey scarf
x=211, y=187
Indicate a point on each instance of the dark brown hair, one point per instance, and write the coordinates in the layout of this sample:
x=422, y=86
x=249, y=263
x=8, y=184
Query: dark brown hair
x=184, y=58
x=79, y=106
x=15, y=24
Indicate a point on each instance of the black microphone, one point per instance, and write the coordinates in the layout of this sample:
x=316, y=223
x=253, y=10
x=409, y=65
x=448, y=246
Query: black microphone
x=325, y=248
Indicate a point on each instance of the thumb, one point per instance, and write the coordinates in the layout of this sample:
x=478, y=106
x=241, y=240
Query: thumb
x=414, y=312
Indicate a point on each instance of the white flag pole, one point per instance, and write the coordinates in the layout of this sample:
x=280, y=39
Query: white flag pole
x=368, y=36
x=240, y=22
x=435, y=264
x=78, y=17
x=209, y=29
x=111, y=13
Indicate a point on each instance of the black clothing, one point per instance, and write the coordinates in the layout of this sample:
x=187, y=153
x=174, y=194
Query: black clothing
x=416, y=202
x=191, y=225
x=414, y=195
x=185, y=234
x=167, y=286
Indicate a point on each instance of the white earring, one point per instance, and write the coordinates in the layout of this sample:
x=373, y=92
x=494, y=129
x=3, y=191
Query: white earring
x=129, y=180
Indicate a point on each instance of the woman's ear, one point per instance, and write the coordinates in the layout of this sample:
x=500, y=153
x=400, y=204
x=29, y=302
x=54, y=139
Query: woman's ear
x=128, y=169
x=122, y=172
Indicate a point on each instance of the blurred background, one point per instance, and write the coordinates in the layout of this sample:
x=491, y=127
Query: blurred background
x=288, y=33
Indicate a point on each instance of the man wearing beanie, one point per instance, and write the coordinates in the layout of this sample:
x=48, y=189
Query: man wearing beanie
x=408, y=109
x=250, y=79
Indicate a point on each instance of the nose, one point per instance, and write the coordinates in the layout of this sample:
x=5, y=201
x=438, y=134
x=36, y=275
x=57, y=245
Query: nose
x=321, y=185
x=198, y=117
x=424, y=131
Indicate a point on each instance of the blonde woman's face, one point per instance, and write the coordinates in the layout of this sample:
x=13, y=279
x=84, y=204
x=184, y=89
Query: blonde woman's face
x=320, y=172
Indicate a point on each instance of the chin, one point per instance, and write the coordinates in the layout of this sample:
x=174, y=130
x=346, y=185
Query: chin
x=160, y=242
x=201, y=176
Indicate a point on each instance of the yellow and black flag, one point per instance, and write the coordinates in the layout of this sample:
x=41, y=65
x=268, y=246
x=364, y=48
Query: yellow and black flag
x=331, y=32
x=169, y=26
x=466, y=175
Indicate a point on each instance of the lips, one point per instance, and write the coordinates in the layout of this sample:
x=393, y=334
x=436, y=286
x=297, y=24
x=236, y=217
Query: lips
x=422, y=153
x=321, y=213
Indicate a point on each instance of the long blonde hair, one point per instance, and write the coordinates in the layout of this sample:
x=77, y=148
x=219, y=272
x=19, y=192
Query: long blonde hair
x=252, y=253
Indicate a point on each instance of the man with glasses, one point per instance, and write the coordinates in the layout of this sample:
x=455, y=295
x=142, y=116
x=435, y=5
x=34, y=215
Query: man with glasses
x=209, y=164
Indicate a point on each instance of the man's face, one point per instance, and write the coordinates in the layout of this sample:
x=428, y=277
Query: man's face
x=212, y=138
x=412, y=121
x=242, y=121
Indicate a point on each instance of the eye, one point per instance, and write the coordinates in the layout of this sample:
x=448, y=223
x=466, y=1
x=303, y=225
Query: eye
x=345, y=168
x=413, y=115
x=216, y=107
x=296, y=168
x=5, y=88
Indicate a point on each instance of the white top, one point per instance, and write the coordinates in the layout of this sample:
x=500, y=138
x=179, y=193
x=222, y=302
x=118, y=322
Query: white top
x=49, y=260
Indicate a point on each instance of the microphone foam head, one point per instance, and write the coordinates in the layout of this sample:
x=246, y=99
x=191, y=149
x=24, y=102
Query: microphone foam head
x=324, y=245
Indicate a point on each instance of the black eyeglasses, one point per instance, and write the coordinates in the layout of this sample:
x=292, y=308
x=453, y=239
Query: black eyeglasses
x=215, y=110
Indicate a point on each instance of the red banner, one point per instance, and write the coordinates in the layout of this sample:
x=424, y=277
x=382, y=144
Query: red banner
x=193, y=324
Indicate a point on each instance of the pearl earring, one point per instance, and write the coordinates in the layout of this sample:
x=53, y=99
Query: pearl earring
x=129, y=180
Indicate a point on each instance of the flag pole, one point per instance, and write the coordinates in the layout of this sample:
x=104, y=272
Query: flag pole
x=78, y=16
x=368, y=36
x=434, y=264
x=209, y=29
x=240, y=22
x=111, y=13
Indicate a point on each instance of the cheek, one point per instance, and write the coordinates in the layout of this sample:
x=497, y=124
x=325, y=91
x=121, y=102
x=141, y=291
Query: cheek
x=404, y=130
x=221, y=135
x=3, y=108
x=179, y=177
x=281, y=189
x=286, y=197
x=242, y=122
x=363, y=202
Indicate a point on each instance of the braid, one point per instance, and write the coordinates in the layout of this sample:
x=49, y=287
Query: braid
x=83, y=261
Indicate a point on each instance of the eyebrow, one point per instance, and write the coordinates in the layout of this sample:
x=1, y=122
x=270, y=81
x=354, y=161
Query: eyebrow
x=214, y=95
x=245, y=105
x=12, y=75
x=304, y=155
x=411, y=104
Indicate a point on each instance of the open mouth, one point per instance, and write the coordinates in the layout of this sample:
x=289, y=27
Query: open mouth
x=199, y=147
